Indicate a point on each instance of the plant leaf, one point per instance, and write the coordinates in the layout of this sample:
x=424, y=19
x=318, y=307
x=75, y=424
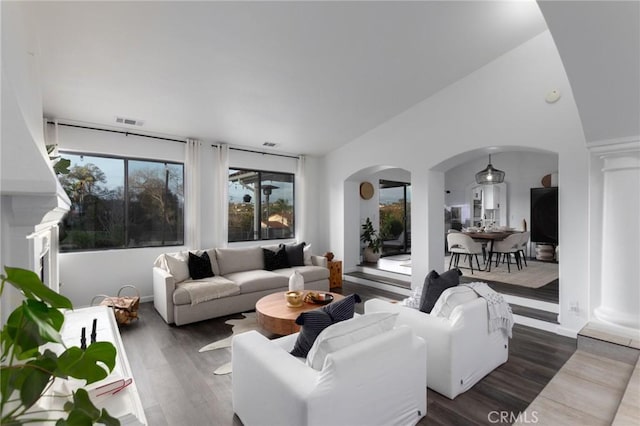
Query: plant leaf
x=7, y=380
x=29, y=283
x=107, y=420
x=37, y=374
x=82, y=412
x=48, y=320
x=22, y=334
x=29, y=326
x=103, y=352
x=62, y=166
x=85, y=364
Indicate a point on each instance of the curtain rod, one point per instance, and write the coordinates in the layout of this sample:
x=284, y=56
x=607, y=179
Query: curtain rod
x=264, y=153
x=124, y=132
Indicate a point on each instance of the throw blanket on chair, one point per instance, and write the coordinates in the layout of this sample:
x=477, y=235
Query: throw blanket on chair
x=500, y=315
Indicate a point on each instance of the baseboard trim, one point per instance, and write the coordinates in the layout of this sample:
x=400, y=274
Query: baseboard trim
x=534, y=323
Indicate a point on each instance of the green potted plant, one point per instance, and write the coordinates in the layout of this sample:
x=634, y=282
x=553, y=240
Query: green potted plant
x=28, y=368
x=372, y=240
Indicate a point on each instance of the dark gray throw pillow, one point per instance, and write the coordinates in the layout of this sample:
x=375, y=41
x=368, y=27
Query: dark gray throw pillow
x=342, y=309
x=434, y=285
x=200, y=266
x=275, y=259
x=295, y=254
x=313, y=322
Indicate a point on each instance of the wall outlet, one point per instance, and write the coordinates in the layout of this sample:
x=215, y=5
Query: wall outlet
x=574, y=307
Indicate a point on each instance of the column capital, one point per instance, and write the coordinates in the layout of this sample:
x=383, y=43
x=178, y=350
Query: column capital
x=619, y=146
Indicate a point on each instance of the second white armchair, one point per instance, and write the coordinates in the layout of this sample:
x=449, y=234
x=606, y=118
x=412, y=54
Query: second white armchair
x=460, y=348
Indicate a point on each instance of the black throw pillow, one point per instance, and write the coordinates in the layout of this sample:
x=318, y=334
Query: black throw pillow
x=434, y=285
x=313, y=322
x=275, y=259
x=342, y=309
x=295, y=254
x=200, y=266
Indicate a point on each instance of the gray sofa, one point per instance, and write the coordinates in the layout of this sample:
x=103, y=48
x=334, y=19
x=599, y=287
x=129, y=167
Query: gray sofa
x=239, y=281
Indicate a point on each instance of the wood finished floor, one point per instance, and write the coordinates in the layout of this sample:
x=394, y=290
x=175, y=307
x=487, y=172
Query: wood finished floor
x=547, y=293
x=177, y=385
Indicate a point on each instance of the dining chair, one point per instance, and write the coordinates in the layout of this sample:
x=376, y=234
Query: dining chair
x=459, y=243
x=507, y=247
x=524, y=240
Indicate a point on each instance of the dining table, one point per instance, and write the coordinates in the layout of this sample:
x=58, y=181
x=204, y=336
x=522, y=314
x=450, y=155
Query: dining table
x=489, y=237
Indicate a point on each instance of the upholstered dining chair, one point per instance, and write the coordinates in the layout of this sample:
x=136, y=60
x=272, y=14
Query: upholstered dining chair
x=459, y=243
x=507, y=247
x=524, y=240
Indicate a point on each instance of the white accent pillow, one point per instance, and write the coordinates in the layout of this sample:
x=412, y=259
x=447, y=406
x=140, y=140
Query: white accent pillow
x=178, y=266
x=345, y=333
x=452, y=297
x=306, y=253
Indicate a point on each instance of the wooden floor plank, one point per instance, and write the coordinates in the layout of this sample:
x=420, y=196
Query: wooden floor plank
x=177, y=384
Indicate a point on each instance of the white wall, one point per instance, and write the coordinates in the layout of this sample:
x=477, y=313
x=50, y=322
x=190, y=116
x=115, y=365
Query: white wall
x=523, y=170
x=27, y=185
x=500, y=105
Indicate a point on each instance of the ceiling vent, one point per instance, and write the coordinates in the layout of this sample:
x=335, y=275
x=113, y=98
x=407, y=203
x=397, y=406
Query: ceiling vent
x=129, y=121
x=270, y=144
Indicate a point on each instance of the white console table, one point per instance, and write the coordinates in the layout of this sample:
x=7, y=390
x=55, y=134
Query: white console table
x=124, y=405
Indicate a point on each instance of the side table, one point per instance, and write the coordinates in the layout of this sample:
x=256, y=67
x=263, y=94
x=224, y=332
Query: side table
x=335, y=273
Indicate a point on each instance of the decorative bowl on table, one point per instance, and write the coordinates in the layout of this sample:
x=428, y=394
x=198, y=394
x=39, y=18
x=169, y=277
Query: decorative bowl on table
x=294, y=298
x=318, y=298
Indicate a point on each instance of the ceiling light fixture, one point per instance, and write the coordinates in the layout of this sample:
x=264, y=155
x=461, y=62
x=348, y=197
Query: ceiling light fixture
x=489, y=175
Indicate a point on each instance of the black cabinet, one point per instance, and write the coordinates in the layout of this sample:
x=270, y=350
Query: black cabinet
x=544, y=215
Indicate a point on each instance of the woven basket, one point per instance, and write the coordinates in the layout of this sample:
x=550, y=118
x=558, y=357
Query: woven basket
x=125, y=308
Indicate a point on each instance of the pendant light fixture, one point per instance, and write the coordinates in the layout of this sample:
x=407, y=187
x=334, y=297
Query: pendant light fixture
x=489, y=175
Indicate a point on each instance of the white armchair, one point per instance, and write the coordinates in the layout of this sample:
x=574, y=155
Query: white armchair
x=378, y=381
x=460, y=349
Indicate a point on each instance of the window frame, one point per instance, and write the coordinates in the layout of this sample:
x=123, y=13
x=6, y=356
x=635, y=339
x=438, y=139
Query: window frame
x=126, y=224
x=259, y=204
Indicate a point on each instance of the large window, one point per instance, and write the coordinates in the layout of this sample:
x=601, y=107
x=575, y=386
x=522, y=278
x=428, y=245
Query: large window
x=260, y=205
x=121, y=203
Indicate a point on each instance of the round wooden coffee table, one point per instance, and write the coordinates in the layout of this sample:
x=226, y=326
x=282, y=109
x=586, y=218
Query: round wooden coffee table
x=275, y=316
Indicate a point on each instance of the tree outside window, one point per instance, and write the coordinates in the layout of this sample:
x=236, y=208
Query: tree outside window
x=120, y=203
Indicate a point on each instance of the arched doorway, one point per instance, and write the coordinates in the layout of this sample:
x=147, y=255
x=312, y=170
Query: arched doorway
x=533, y=290
x=388, y=207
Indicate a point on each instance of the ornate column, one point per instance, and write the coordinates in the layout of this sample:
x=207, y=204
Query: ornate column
x=620, y=281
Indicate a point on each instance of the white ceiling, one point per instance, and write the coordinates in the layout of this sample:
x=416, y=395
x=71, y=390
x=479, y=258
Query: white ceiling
x=309, y=76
